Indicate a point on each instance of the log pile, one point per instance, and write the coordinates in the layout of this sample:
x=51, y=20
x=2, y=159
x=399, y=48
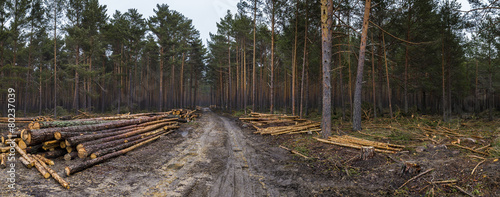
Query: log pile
x=276, y=124
x=94, y=140
x=358, y=143
x=185, y=115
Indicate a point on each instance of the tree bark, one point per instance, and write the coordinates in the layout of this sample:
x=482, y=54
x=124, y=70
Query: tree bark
x=373, y=80
x=123, y=146
x=389, y=97
x=304, y=60
x=359, y=77
x=326, y=38
x=294, y=61
x=89, y=163
x=182, y=82
x=55, y=63
x=84, y=149
x=253, y=62
x=37, y=136
x=271, y=99
x=75, y=140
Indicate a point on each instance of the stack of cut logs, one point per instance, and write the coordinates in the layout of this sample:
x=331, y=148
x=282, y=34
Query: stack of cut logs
x=275, y=124
x=358, y=143
x=185, y=115
x=93, y=139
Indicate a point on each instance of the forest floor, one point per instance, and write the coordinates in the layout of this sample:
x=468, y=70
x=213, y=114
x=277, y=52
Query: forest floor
x=217, y=155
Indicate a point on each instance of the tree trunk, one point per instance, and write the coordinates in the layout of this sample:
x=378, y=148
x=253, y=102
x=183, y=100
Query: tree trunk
x=85, y=150
x=244, y=76
x=443, y=80
x=37, y=136
x=182, y=82
x=359, y=77
x=373, y=80
x=387, y=78
x=123, y=146
x=294, y=61
x=87, y=137
x=76, y=96
x=304, y=59
x=253, y=62
x=326, y=35
x=55, y=62
x=271, y=99
x=89, y=163
x=160, y=96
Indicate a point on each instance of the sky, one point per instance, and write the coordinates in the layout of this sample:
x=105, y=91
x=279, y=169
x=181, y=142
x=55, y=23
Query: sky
x=204, y=13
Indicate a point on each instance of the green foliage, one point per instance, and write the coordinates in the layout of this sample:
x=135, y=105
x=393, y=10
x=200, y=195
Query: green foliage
x=61, y=111
x=400, y=136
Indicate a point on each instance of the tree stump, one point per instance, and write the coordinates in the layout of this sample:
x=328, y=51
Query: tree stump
x=367, y=152
x=410, y=168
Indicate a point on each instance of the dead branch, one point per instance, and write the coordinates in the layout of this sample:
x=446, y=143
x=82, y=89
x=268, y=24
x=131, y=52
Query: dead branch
x=415, y=177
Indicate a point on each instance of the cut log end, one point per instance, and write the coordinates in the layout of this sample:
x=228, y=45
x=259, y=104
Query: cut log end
x=93, y=156
x=68, y=171
x=82, y=153
x=62, y=145
x=57, y=135
x=34, y=125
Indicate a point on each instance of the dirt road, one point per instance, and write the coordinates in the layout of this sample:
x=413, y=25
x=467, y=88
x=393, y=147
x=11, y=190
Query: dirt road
x=212, y=156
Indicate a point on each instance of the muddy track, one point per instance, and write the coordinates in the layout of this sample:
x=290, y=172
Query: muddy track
x=213, y=162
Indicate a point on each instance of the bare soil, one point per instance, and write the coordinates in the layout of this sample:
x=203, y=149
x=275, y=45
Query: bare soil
x=220, y=156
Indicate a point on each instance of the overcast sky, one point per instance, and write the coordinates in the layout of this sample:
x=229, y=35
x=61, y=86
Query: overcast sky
x=204, y=13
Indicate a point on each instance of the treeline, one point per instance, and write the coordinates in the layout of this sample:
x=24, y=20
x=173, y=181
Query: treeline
x=422, y=56
x=69, y=54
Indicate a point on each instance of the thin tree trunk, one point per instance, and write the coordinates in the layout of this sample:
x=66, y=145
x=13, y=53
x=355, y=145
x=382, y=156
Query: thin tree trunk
x=373, y=80
x=406, y=61
x=244, y=76
x=76, y=101
x=182, y=82
x=160, y=96
x=476, y=90
x=387, y=78
x=253, y=62
x=271, y=99
x=229, y=74
x=55, y=61
x=359, y=77
x=443, y=80
x=304, y=59
x=294, y=66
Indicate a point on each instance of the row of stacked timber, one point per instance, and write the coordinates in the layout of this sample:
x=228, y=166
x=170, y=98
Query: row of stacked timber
x=93, y=140
x=277, y=124
x=358, y=143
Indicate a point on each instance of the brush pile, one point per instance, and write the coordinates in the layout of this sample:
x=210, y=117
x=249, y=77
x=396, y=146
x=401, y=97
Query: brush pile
x=94, y=140
x=276, y=124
